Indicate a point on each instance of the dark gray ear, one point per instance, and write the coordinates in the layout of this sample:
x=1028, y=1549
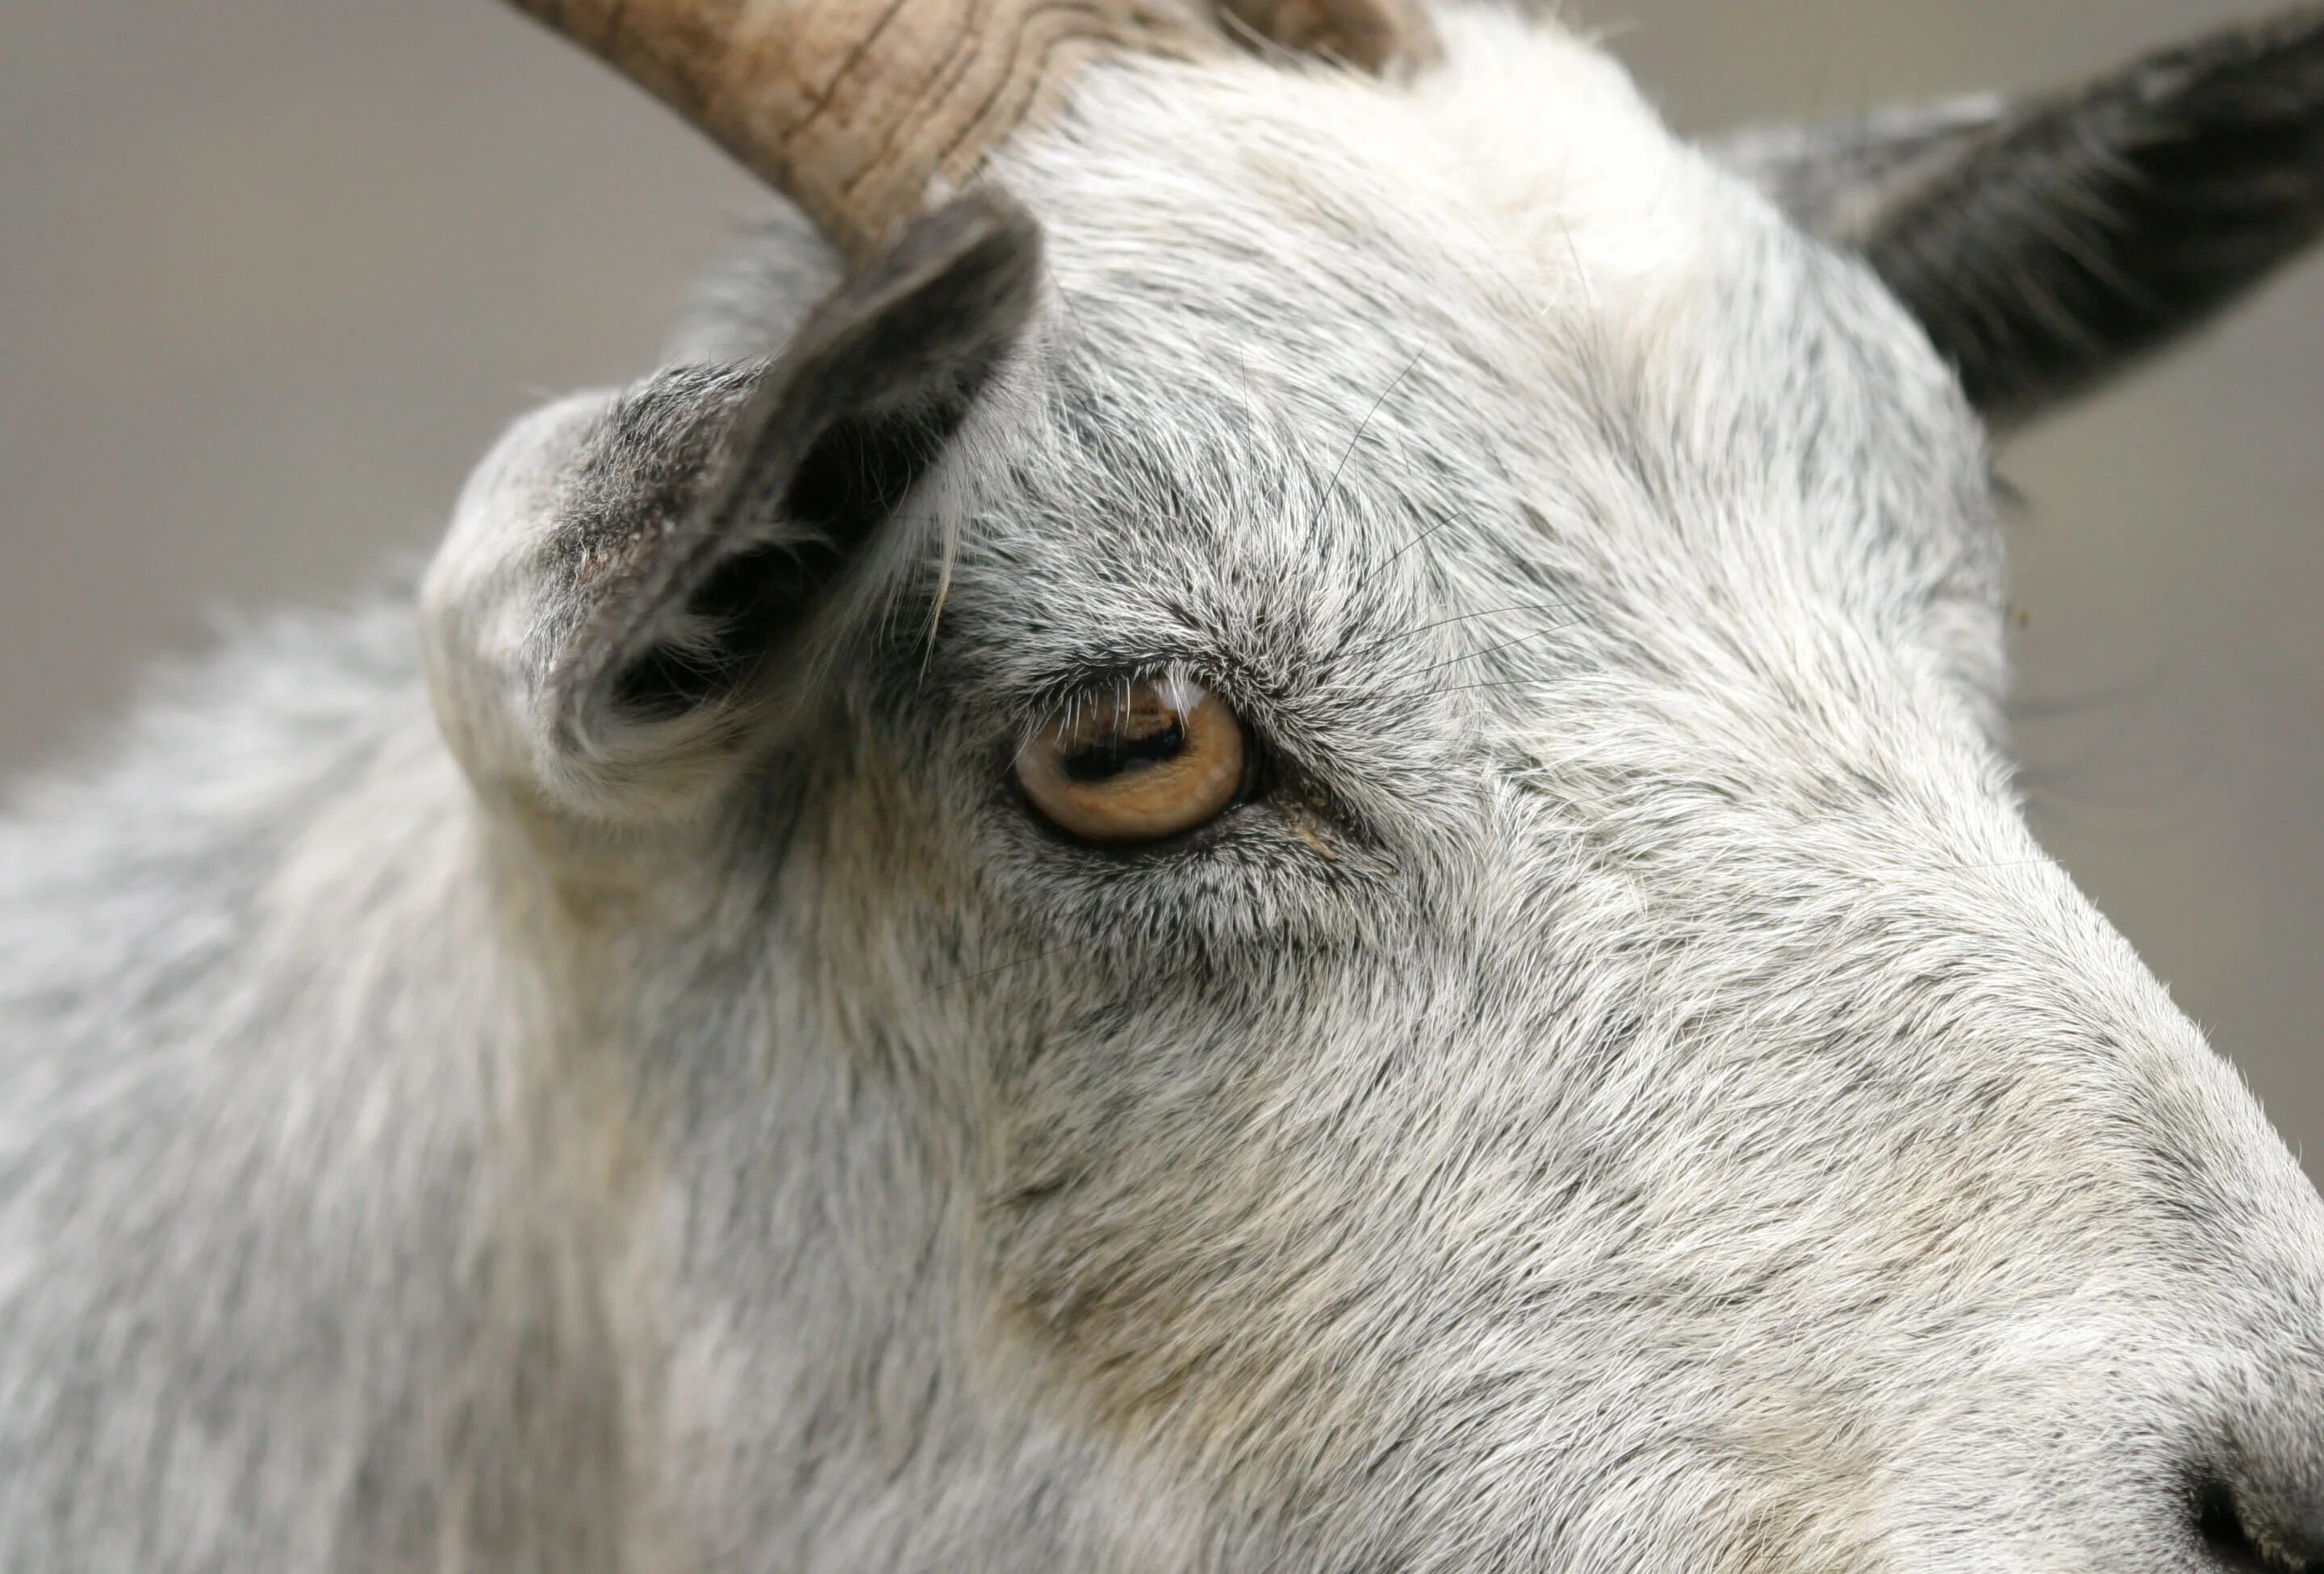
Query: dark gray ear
x=2043, y=244
x=735, y=502
x=634, y=581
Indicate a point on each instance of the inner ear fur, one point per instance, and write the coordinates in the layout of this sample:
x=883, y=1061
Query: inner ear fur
x=2044, y=245
x=719, y=512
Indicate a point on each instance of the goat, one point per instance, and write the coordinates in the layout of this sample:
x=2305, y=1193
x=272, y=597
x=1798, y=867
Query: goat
x=1258, y=820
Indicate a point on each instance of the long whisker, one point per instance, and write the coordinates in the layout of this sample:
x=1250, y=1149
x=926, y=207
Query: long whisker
x=1361, y=426
x=992, y=972
x=1488, y=650
x=1405, y=634
x=1387, y=562
x=1489, y=683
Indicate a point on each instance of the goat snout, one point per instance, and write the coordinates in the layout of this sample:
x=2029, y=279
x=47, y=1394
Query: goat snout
x=2257, y=1495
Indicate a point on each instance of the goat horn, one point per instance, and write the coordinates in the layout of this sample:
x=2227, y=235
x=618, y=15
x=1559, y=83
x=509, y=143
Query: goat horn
x=856, y=109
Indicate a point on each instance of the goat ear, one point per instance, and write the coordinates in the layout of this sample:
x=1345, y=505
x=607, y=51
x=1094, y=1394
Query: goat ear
x=2043, y=244
x=627, y=570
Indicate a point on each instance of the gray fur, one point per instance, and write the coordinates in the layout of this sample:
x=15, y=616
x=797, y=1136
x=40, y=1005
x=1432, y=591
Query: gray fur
x=1629, y=1095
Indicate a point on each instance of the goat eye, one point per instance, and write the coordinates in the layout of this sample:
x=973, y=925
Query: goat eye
x=1162, y=756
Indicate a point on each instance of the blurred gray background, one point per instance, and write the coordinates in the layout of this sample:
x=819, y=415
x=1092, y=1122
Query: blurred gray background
x=273, y=271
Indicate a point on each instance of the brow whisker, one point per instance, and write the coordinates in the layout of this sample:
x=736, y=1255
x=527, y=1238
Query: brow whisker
x=1488, y=650
x=1488, y=683
x=1401, y=633
x=1387, y=562
x=1362, y=426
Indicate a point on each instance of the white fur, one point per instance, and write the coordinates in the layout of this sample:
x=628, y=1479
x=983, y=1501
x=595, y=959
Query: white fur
x=1634, y=1098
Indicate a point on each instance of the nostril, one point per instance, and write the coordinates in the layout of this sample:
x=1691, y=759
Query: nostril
x=2238, y=1544
x=2221, y=1529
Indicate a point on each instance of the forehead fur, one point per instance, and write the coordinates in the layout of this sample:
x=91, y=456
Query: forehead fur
x=1305, y=320
x=1528, y=167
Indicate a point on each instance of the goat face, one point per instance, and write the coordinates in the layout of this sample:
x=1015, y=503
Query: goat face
x=1310, y=866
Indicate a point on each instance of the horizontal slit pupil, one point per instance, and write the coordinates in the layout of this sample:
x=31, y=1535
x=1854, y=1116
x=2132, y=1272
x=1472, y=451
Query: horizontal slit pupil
x=1111, y=756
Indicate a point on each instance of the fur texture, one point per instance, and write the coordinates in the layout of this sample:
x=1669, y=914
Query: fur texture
x=1628, y=1094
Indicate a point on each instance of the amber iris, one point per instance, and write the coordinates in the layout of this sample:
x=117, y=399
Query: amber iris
x=1160, y=756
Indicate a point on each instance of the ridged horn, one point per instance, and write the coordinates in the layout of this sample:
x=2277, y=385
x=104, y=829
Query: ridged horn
x=856, y=109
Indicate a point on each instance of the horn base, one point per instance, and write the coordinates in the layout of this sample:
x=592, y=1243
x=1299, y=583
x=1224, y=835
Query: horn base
x=858, y=110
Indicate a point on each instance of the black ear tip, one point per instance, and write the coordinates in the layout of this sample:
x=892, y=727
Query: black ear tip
x=2292, y=31
x=2269, y=71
